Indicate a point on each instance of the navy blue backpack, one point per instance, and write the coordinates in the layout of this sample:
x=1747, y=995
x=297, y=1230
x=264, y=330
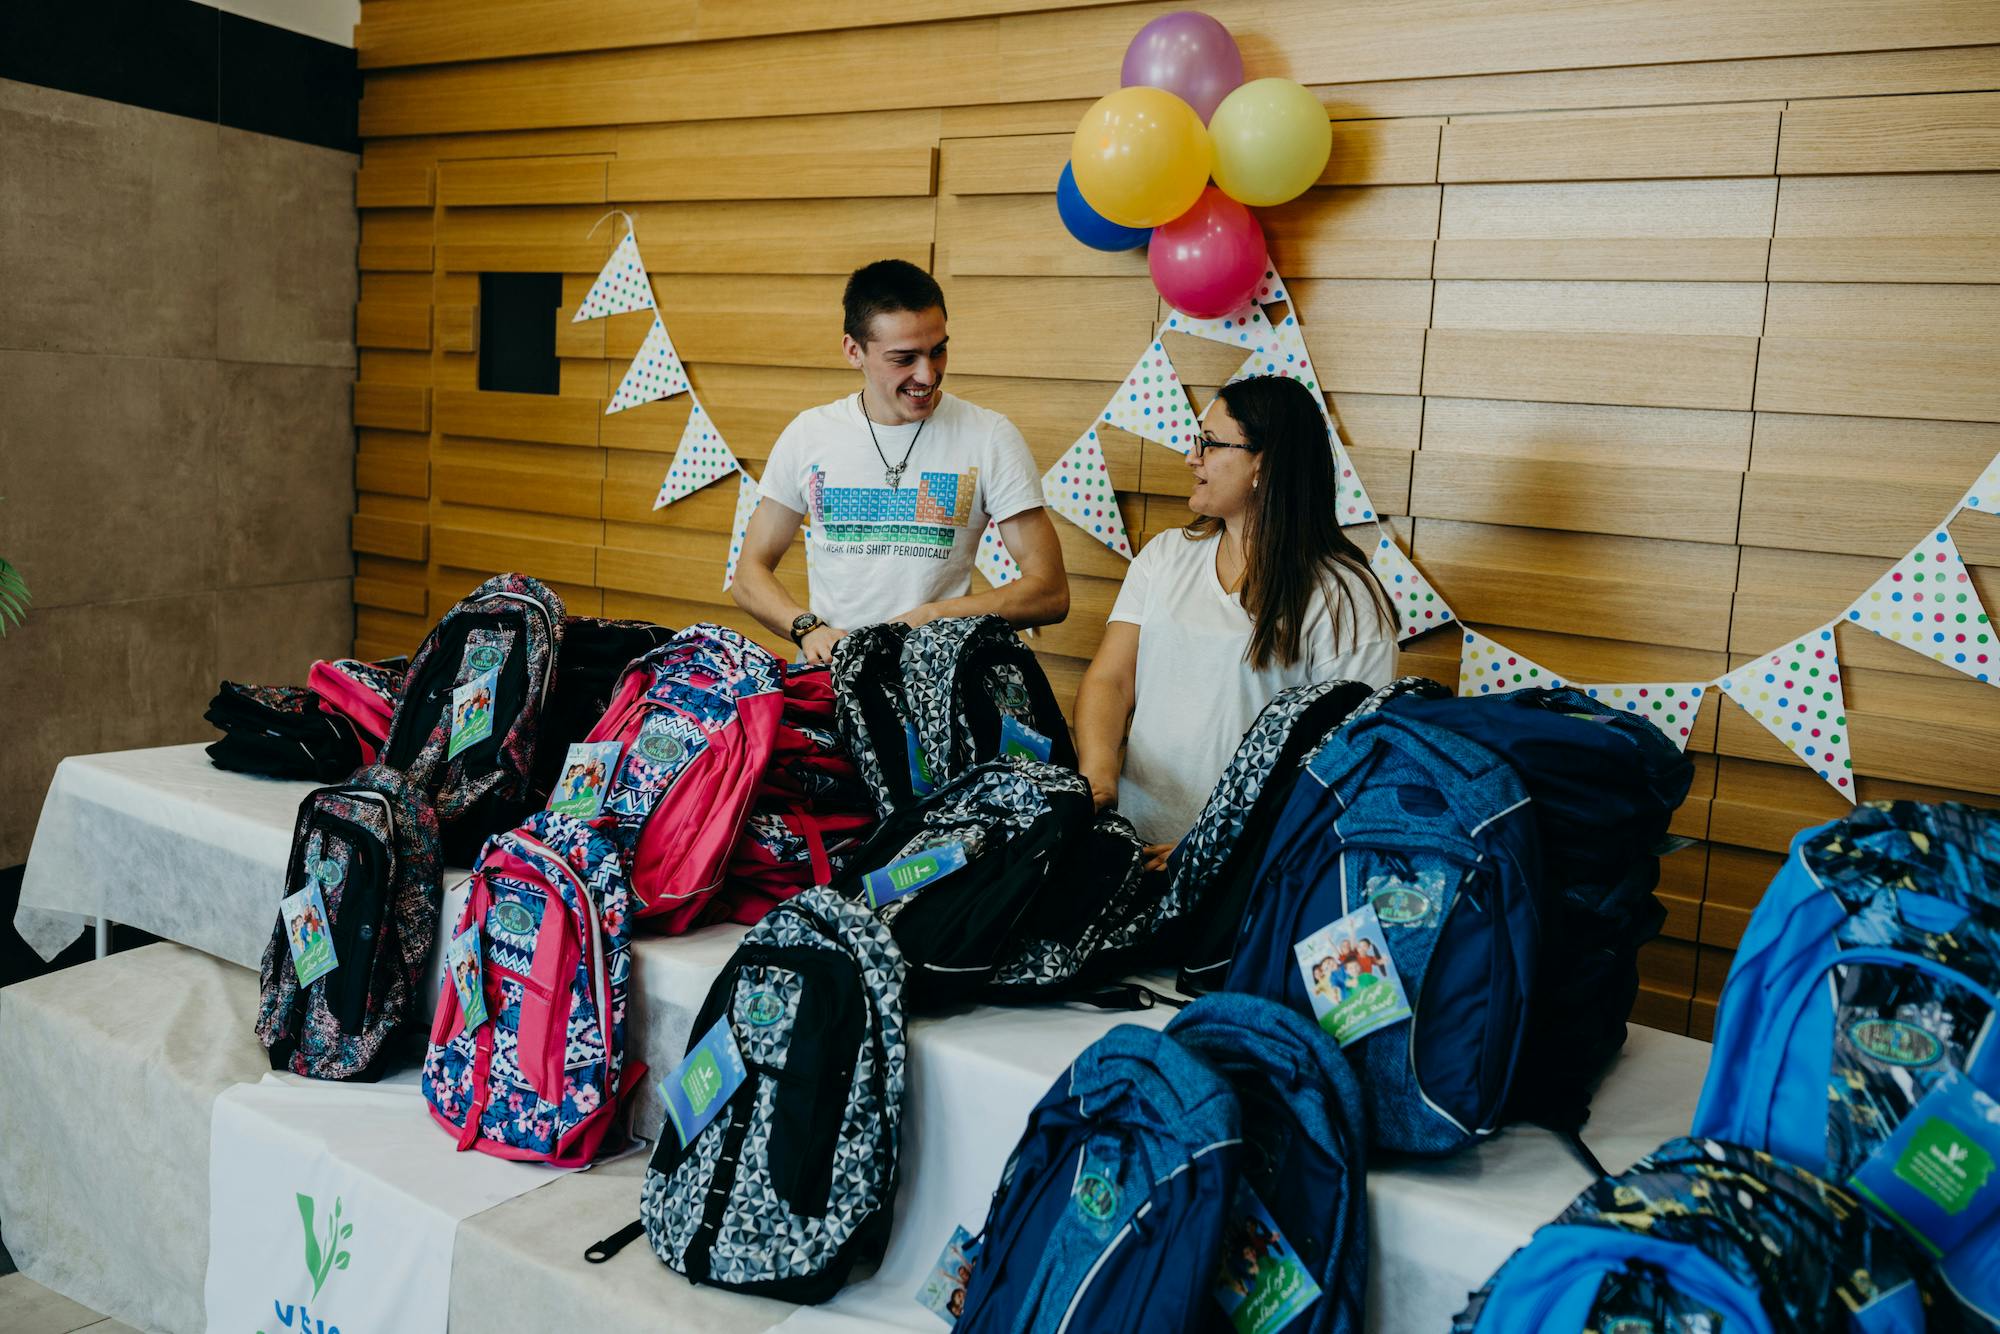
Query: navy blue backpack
x=1703, y=1237
x=1305, y=1144
x=1869, y=975
x=1436, y=833
x=1111, y=1210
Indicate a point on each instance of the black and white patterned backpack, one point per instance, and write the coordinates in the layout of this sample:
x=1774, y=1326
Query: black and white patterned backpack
x=795, y=1177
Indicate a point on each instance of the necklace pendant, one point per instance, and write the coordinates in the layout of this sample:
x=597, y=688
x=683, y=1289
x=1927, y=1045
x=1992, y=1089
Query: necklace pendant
x=894, y=476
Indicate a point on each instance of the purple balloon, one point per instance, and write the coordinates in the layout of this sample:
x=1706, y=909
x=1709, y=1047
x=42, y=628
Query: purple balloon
x=1190, y=55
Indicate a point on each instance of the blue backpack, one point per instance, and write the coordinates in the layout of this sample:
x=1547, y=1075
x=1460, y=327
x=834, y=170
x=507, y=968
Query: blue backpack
x=1305, y=1143
x=1111, y=1210
x=1703, y=1237
x=1436, y=834
x=1870, y=972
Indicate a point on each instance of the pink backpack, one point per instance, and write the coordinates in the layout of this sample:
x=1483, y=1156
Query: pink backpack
x=697, y=719
x=364, y=693
x=541, y=1077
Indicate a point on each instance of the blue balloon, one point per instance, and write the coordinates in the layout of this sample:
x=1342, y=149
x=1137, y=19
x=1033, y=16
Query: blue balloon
x=1089, y=226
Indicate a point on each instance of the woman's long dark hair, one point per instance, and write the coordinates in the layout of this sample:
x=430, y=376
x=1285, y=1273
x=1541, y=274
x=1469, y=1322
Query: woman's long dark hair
x=1294, y=546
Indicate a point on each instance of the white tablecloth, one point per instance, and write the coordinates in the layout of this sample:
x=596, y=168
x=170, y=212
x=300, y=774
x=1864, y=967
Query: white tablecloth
x=202, y=859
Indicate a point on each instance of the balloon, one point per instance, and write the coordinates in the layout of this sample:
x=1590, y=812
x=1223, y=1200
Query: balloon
x=1089, y=226
x=1207, y=262
x=1187, y=53
x=1141, y=157
x=1271, y=140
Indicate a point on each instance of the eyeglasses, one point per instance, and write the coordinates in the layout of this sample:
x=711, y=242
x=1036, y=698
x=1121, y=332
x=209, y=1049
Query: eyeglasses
x=1207, y=442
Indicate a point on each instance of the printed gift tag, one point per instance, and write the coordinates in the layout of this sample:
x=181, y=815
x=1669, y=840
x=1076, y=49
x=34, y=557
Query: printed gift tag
x=472, y=712
x=307, y=929
x=1259, y=1280
x=1935, y=1174
x=912, y=873
x=1017, y=738
x=1350, y=978
x=468, y=977
x=586, y=778
x=944, y=1291
x=699, y=1087
x=1406, y=900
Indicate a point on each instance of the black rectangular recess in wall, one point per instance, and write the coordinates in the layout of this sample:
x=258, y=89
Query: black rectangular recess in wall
x=517, y=332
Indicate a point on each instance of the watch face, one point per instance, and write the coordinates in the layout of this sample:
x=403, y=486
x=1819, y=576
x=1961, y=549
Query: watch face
x=804, y=625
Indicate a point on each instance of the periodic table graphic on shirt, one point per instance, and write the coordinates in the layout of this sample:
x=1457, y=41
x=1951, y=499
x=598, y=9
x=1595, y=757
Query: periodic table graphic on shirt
x=921, y=517
x=703, y=457
x=1078, y=487
x=1419, y=607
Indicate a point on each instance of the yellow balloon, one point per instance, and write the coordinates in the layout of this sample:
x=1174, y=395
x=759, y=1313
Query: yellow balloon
x=1140, y=157
x=1271, y=141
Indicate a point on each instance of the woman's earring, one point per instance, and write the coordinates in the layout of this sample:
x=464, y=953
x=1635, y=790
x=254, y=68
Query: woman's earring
x=1253, y=483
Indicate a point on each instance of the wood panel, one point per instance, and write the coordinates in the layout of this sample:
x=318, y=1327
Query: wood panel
x=1934, y=133
x=883, y=173
x=522, y=181
x=1644, y=370
x=1887, y=229
x=1611, y=145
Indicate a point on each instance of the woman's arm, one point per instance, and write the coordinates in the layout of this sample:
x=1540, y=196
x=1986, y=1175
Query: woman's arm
x=1103, y=706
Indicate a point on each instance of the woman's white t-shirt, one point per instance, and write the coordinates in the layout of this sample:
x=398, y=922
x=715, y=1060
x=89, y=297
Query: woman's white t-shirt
x=1195, y=694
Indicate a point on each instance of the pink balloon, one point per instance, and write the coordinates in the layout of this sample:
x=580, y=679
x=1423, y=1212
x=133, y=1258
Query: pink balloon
x=1190, y=55
x=1208, y=261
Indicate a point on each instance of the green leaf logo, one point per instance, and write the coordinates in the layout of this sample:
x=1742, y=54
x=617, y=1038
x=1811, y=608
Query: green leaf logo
x=323, y=1257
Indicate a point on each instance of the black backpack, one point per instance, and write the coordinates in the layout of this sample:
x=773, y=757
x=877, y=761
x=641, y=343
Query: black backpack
x=371, y=845
x=1011, y=819
x=1604, y=785
x=593, y=655
x=870, y=713
x=1213, y=868
x=511, y=624
x=281, y=732
x=1091, y=925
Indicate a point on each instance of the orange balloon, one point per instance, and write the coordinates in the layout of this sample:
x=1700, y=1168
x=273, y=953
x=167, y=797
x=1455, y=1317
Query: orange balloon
x=1141, y=157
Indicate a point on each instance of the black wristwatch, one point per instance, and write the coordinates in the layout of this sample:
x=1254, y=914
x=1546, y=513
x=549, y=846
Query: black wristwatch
x=804, y=624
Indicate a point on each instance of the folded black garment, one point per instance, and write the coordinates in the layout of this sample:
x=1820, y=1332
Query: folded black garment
x=282, y=732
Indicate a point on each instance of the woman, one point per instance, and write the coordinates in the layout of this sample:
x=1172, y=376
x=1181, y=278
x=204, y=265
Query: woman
x=1262, y=592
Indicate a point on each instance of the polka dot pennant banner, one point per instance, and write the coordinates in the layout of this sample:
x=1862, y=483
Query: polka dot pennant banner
x=1419, y=607
x=1286, y=355
x=1926, y=602
x=1984, y=496
x=1489, y=668
x=1153, y=403
x=1247, y=328
x=993, y=560
x=1078, y=487
x=1271, y=292
x=621, y=286
x=1795, y=693
x=1668, y=705
x=702, y=457
x=1355, y=506
x=746, y=503
x=655, y=373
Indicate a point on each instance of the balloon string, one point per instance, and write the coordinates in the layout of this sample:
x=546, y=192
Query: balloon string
x=614, y=213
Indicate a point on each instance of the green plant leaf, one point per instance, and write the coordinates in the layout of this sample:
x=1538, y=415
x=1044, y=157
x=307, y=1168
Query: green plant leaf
x=340, y=1262
x=312, y=1241
x=347, y=1232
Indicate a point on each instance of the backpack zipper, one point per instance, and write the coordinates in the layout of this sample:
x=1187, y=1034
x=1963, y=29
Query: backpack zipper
x=548, y=626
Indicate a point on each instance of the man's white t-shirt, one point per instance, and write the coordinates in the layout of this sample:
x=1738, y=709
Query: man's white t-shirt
x=1195, y=694
x=879, y=551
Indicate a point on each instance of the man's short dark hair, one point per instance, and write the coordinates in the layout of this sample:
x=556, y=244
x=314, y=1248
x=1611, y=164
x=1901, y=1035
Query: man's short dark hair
x=884, y=286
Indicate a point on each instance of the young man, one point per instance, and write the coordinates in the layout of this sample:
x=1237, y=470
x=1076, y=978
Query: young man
x=899, y=480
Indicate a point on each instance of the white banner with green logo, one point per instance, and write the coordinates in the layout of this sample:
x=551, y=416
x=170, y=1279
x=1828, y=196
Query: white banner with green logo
x=334, y=1206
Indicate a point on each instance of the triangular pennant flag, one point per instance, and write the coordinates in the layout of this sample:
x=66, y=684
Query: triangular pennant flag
x=994, y=561
x=1078, y=487
x=1153, y=403
x=1355, y=506
x=1489, y=668
x=1271, y=291
x=1985, y=493
x=1668, y=705
x=1418, y=606
x=1795, y=692
x=1285, y=354
x=703, y=457
x=621, y=285
x=1926, y=602
x=655, y=373
x=746, y=504
x=1247, y=328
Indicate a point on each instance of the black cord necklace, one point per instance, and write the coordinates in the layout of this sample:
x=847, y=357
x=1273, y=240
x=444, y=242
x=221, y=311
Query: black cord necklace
x=892, y=473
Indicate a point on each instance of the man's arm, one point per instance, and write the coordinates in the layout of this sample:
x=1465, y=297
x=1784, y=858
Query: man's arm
x=1039, y=597
x=756, y=588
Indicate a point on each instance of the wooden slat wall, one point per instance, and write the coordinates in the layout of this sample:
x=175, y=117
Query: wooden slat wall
x=1655, y=357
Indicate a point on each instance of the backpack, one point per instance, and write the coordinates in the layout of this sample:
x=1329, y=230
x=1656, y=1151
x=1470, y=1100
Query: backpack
x=361, y=693
x=1868, y=975
x=1089, y=925
x=542, y=1078
x=1111, y=1210
x=1705, y=1235
x=1212, y=868
x=871, y=715
x=696, y=720
x=511, y=625
x=371, y=846
x=1010, y=818
x=280, y=732
x=1605, y=784
x=1435, y=834
x=795, y=1178
x=594, y=655
x=1305, y=1143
